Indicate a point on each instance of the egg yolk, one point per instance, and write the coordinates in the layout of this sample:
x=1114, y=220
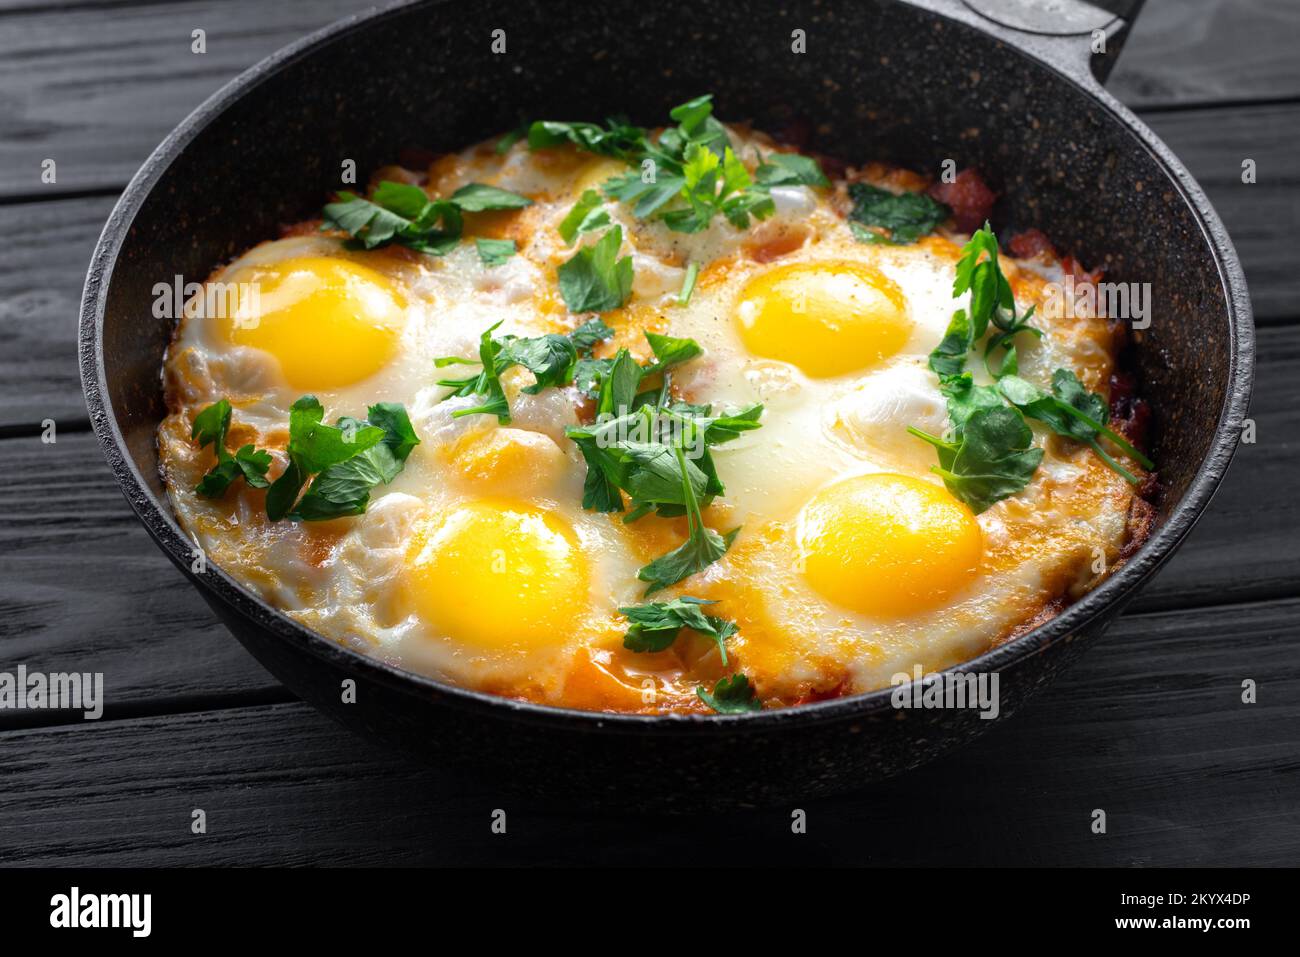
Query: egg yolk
x=499, y=576
x=329, y=322
x=506, y=461
x=827, y=318
x=888, y=545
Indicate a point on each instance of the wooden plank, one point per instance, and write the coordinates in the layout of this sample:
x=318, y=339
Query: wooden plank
x=1148, y=727
x=1244, y=546
x=82, y=585
x=84, y=588
x=1185, y=52
x=1261, y=216
x=96, y=90
x=41, y=276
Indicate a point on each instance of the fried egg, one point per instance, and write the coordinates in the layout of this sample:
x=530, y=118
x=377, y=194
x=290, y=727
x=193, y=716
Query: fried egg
x=478, y=564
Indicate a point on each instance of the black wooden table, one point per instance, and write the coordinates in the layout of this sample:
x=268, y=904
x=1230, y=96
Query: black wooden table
x=1150, y=726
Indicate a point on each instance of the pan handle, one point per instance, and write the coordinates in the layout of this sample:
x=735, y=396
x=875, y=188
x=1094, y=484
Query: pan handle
x=1073, y=30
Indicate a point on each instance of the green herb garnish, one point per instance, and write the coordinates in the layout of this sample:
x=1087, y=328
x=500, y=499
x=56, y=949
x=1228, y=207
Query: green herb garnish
x=404, y=214
x=688, y=174
x=984, y=468
x=790, y=169
x=587, y=335
x=733, y=695
x=907, y=216
x=1074, y=412
x=596, y=279
x=588, y=214
x=639, y=446
x=703, y=546
x=494, y=252
x=210, y=428
x=688, y=283
x=714, y=185
x=343, y=462
x=991, y=459
x=656, y=625
x=550, y=358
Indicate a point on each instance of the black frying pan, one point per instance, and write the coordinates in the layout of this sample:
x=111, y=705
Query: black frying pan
x=909, y=83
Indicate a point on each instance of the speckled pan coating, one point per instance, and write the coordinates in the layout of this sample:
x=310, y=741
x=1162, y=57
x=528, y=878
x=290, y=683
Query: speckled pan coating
x=910, y=84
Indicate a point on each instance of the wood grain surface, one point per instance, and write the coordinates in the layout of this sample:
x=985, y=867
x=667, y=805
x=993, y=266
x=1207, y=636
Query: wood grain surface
x=1150, y=726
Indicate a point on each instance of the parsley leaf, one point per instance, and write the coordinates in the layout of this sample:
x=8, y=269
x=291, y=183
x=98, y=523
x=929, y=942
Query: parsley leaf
x=703, y=546
x=734, y=695
x=588, y=214
x=510, y=139
x=991, y=459
x=979, y=274
x=689, y=166
x=1074, y=412
x=713, y=186
x=494, y=252
x=596, y=279
x=965, y=398
x=688, y=283
x=479, y=197
x=630, y=446
x=587, y=335
x=347, y=460
x=251, y=464
x=404, y=214
x=550, y=358
x=907, y=216
x=655, y=626
x=949, y=357
x=991, y=304
x=617, y=138
x=670, y=351
x=790, y=169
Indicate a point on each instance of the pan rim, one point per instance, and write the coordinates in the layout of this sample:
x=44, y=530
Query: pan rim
x=1111, y=595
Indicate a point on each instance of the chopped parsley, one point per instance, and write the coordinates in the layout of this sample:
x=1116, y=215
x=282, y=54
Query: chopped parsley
x=1074, y=412
x=655, y=626
x=733, y=695
x=342, y=462
x=990, y=456
x=550, y=358
x=494, y=252
x=658, y=453
x=688, y=283
x=588, y=214
x=249, y=463
x=713, y=185
x=617, y=138
x=689, y=174
x=596, y=279
x=790, y=169
x=587, y=335
x=907, y=216
x=404, y=214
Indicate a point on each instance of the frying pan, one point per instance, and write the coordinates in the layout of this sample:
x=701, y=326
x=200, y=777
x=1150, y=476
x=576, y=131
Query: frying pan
x=1010, y=88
